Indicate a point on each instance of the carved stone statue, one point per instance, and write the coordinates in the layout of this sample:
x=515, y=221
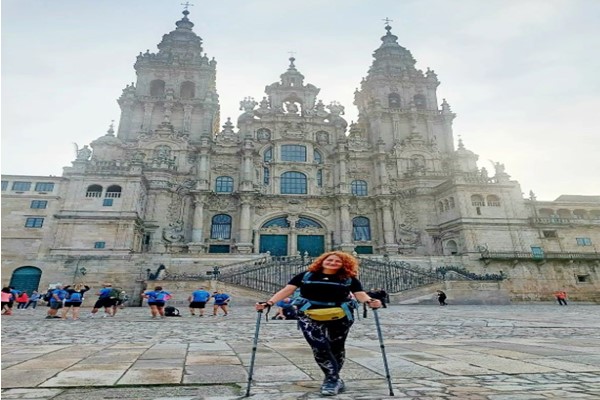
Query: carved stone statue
x=84, y=153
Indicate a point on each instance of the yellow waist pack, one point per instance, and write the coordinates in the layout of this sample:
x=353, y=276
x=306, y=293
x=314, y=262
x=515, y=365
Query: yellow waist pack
x=326, y=314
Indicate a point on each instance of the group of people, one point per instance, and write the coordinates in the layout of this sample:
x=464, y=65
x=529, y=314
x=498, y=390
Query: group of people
x=157, y=301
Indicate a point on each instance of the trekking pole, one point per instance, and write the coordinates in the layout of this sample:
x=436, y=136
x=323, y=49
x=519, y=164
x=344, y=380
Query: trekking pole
x=254, y=346
x=382, y=346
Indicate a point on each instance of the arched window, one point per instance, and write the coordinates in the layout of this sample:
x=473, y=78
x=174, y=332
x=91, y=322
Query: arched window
x=113, y=191
x=281, y=222
x=545, y=212
x=420, y=102
x=361, y=229
x=318, y=157
x=94, y=191
x=220, y=227
x=224, y=184
x=441, y=206
x=266, y=176
x=187, y=90
x=477, y=201
x=320, y=178
x=304, y=222
x=394, y=100
x=359, y=188
x=268, y=155
x=293, y=152
x=452, y=204
x=293, y=183
x=157, y=88
x=493, y=201
x=446, y=204
x=451, y=248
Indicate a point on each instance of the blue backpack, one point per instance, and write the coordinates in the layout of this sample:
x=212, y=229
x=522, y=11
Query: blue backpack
x=304, y=304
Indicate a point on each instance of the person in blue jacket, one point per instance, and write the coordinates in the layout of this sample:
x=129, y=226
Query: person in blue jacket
x=221, y=301
x=157, y=299
x=198, y=301
x=56, y=301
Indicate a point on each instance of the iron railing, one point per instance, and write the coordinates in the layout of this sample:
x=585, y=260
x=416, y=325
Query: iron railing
x=270, y=274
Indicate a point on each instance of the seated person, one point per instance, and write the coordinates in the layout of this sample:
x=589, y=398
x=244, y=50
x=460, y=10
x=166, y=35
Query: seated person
x=285, y=309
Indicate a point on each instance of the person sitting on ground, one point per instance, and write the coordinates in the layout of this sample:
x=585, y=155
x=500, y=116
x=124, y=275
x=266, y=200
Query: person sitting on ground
x=285, y=310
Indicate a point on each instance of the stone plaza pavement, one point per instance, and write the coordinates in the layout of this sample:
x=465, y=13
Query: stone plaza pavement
x=526, y=351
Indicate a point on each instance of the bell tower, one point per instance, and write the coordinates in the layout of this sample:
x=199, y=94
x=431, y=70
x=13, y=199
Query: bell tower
x=177, y=85
x=397, y=102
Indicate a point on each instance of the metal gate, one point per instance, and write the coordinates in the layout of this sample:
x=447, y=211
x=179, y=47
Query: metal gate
x=314, y=245
x=277, y=245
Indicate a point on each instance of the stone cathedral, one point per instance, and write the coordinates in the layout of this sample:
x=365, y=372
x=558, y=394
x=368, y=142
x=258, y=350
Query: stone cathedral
x=175, y=186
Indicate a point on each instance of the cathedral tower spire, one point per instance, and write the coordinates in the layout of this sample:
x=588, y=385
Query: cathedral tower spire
x=176, y=85
x=397, y=101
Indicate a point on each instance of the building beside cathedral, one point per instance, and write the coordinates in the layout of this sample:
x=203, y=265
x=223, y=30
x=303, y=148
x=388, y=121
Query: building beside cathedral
x=173, y=187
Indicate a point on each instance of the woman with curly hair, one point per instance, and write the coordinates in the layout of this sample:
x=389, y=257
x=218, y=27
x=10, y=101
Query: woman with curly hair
x=325, y=310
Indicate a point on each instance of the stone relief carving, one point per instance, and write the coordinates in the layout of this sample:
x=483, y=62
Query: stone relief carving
x=174, y=232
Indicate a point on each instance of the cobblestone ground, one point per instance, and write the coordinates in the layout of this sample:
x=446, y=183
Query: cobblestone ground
x=527, y=352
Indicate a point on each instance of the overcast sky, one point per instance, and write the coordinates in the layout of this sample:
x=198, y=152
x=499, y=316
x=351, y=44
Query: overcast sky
x=523, y=76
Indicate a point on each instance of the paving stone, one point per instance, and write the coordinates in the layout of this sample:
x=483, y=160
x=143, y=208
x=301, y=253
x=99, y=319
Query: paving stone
x=468, y=353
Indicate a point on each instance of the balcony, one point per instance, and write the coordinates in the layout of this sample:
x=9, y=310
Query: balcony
x=563, y=221
x=545, y=256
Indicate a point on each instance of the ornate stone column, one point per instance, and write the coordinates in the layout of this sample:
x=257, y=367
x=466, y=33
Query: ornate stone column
x=197, y=244
x=345, y=225
x=245, y=243
x=389, y=244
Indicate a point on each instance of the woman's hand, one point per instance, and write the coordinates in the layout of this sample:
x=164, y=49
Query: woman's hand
x=374, y=303
x=262, y=305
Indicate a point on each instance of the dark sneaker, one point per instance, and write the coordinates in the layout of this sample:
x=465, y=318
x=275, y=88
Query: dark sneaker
x=331, y=386
x=342, y=385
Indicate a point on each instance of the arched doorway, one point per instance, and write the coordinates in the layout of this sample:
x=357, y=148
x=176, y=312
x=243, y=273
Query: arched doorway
x=289, y=235
x=26, y=279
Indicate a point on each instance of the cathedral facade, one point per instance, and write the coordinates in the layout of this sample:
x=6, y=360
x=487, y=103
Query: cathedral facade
x=173, y=186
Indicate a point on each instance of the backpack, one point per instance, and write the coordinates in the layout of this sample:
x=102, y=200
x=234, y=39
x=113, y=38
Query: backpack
x=304, y=304
x=171, y=311
x=115, y=293
x=47, y=295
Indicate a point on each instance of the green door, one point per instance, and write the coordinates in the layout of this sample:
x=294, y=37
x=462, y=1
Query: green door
x=314, y=245
x=26, y=279
x=276, y=244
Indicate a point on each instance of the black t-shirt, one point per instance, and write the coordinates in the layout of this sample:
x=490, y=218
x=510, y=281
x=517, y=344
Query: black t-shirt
x=323, y=292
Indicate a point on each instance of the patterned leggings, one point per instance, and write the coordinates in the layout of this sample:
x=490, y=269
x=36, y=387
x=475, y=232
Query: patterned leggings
x=327, y=340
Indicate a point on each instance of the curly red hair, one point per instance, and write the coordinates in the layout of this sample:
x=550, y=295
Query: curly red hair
x=349, y=264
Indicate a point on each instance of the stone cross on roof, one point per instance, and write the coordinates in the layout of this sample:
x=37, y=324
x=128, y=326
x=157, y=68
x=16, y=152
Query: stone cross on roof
x=387, y=21
x=186, y=5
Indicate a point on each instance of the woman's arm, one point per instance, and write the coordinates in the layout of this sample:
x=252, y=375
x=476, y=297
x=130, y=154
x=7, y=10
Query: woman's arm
x=287, y=291
x=363, y=297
